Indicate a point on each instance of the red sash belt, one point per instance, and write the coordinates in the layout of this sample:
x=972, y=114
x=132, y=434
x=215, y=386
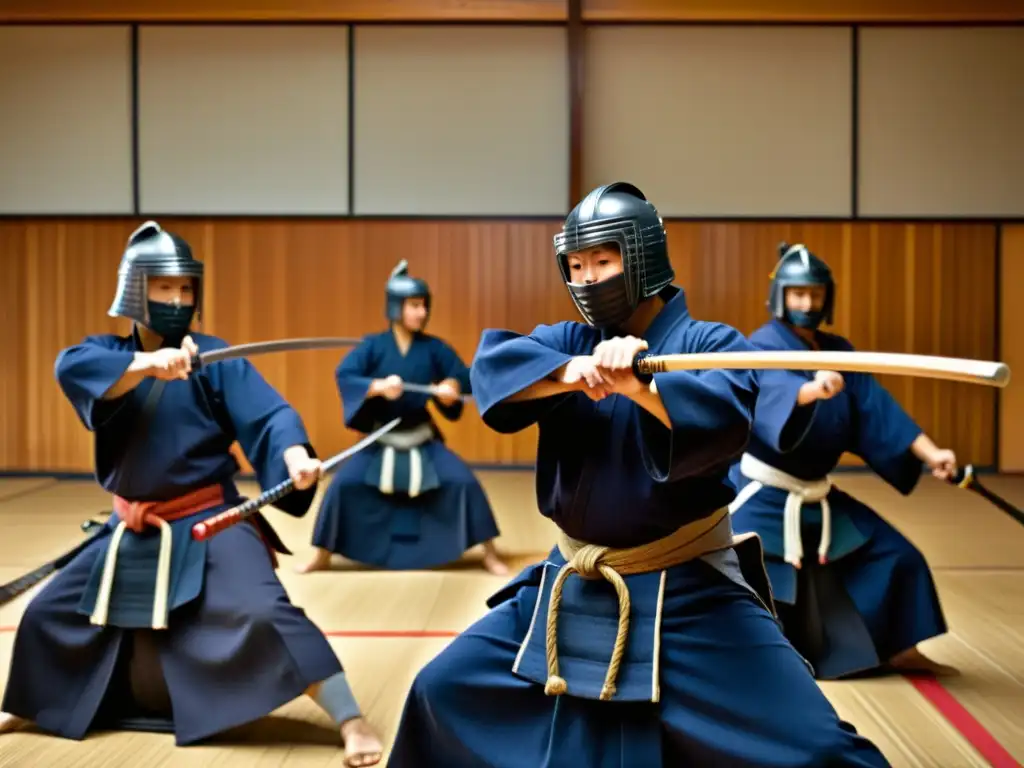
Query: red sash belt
x=138, y=514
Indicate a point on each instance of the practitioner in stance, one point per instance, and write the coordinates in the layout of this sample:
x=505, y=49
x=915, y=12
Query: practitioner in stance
x=147, y=628
x=646, y=638
x=853, y=594
x=407, y=502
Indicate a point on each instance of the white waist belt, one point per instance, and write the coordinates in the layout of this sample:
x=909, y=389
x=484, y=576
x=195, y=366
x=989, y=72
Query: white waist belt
x=800, y=492
x=404, y=441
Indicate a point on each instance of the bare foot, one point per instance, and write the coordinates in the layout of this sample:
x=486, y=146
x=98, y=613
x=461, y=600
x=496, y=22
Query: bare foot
x=321, y=562
x=9, y=723
x=912, y=660
x=492, y=563
x=362, y=745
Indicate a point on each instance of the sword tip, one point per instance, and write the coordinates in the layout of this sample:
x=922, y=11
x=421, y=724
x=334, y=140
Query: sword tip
x=1001, y=376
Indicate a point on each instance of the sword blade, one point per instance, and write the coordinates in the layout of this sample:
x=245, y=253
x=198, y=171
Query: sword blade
x=269, y=347
x=370, y=439
x=426, y=389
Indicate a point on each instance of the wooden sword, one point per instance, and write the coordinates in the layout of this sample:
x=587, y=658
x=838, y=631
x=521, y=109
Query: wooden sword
x=993, y=374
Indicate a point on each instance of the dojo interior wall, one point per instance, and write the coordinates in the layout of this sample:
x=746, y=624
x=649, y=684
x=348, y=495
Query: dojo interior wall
x=302, y=160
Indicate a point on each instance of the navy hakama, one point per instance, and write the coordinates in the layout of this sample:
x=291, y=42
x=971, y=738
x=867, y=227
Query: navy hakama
x=406, y=502
x=874, y=596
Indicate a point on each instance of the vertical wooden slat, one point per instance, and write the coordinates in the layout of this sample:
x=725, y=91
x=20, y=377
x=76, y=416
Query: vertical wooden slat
x=1011, y=322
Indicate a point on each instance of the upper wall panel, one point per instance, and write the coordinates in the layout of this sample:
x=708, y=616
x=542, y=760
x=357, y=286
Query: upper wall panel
x=461, y=121
x=65, y=120
x=243, y=120
x=722, y=121
x=941, y=116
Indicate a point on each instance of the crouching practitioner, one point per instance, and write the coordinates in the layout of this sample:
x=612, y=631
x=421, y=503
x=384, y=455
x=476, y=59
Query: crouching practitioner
x=408, y=501
x=647, y=637
x=147, y=629
x=864, y=597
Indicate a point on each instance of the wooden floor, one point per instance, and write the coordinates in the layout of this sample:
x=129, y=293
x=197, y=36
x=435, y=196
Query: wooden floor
x=385, y=626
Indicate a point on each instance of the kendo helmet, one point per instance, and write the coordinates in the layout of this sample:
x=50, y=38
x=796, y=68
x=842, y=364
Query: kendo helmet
x=400, y=287
x=616, y=213
x=797, y=266
x=152, y=252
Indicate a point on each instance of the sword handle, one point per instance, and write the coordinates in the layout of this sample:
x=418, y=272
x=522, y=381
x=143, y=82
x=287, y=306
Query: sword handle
x=92, y=524
x=214, y=525
x=645, y=369
x=197, y=363
x=964, y=476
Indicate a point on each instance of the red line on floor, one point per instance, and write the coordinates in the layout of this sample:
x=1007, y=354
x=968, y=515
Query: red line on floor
x=976, y=734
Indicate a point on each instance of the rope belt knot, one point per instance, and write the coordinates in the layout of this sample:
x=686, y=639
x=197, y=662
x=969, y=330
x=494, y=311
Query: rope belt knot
x=593, y=562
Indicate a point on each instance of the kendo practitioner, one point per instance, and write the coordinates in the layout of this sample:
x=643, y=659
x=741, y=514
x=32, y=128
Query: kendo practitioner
x=862, y=597
x=147, y=629
x=647, y=637
x=406, y=502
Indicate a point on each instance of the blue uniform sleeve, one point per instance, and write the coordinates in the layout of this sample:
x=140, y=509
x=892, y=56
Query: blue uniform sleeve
x=353, y=379
x=779, y=422
x=86, y=371
x=710, y=412
x=506, y=363
x=884, y=433
x=265, y=426
x=448, y=365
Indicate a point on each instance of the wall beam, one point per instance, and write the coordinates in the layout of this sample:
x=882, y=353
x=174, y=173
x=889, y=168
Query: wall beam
x=218, y=11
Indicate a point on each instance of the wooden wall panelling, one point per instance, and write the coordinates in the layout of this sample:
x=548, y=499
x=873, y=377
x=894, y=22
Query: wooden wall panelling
x=802, y=11
x=59, y=283
x=1011, y=339
x=56, y=11
x=903, y=288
